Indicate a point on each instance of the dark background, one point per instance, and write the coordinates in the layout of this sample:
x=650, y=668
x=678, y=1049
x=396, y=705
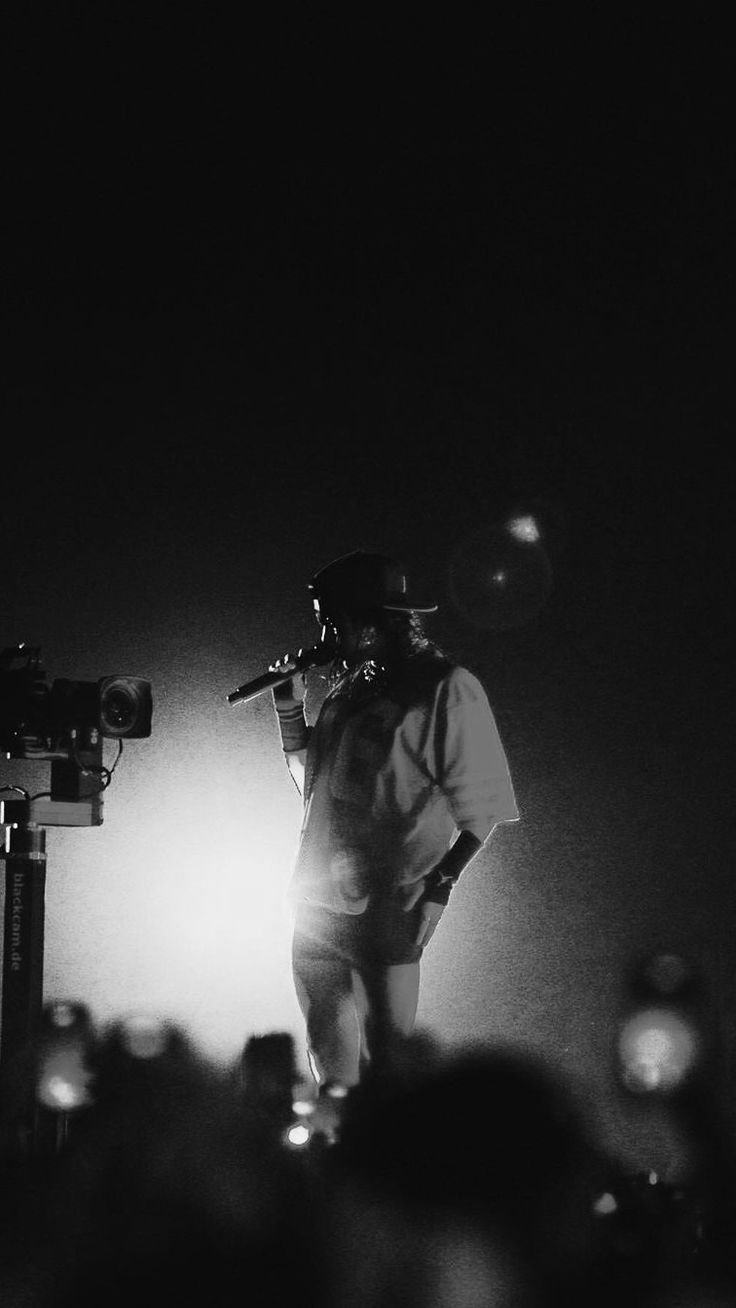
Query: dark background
x=275, y=289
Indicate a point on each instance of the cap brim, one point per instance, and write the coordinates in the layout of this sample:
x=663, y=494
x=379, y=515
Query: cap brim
x=418, y=606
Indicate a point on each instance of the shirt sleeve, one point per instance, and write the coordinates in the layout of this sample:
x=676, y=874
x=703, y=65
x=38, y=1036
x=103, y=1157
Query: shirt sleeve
x=473, y=770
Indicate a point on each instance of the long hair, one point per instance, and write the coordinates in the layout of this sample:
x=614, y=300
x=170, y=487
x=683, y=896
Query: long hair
x=407, y=642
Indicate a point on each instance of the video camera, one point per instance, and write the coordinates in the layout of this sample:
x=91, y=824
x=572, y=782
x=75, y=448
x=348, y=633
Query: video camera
x=42, y=720
x=65, y=722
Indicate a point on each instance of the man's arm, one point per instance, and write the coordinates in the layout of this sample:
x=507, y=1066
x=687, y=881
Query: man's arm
x=288, y=701
x=476, y=782
x=296, y=762
x=442, y=878
x=433, y=891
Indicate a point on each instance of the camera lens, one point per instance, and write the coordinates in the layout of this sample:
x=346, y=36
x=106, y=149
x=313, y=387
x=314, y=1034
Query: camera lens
x=125, y=706
x=119, y=712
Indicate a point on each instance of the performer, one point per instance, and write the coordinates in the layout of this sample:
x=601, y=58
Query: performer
x=404, y=778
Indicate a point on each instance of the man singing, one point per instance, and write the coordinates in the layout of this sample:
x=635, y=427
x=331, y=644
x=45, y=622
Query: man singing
x=404, y=778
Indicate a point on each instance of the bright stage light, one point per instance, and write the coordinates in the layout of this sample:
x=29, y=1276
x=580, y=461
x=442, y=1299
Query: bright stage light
x=177, y=905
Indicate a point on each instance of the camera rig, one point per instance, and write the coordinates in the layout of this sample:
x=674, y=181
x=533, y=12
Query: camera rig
x=64, y=723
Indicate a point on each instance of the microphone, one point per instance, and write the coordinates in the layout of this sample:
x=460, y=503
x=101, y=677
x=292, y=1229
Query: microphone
x=313, y=657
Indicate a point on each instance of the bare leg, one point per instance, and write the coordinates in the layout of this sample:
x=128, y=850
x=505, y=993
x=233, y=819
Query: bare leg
x=324, y=990
x=390, y=999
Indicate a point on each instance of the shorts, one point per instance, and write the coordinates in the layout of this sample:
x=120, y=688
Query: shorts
x=383, y=935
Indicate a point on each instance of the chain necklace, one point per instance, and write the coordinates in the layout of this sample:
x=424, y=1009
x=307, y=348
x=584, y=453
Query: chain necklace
x=364, y=682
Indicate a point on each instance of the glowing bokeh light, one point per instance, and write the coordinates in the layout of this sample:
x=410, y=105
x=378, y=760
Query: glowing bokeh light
x=58, y=1093
x=499, y=579
x=524, y=528
x=145, y=1036
x=298, y=1135
x=657, y=1051
x=64, y=1081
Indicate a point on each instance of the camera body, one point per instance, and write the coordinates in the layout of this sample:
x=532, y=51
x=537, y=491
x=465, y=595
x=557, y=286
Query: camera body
x=60, y=720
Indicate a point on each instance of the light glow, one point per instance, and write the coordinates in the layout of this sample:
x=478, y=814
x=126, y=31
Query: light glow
x=64, y=1081
x=524, y=528
x=657, y=1051
x=298, y=1135
x=176, y=906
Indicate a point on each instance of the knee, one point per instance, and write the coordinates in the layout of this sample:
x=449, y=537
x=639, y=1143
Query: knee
x=330, y=1015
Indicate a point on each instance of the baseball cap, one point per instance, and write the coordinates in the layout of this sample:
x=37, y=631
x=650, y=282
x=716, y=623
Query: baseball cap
x=361, y=580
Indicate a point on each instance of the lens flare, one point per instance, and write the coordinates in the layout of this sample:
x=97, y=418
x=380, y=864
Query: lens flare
x=500, y=577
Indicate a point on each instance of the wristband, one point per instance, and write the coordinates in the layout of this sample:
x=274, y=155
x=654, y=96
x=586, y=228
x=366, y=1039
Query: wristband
x=293, y=728
x=438, y=887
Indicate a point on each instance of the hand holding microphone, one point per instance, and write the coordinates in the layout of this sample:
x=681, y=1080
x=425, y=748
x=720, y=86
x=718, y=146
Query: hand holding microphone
x=293, y=690
x=288, y=701
x=283, y=672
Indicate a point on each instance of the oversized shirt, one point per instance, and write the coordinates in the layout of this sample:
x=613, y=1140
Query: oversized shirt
x=391, y=779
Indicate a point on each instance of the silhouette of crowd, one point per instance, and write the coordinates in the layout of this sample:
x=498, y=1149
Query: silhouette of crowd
x=135, y=1172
